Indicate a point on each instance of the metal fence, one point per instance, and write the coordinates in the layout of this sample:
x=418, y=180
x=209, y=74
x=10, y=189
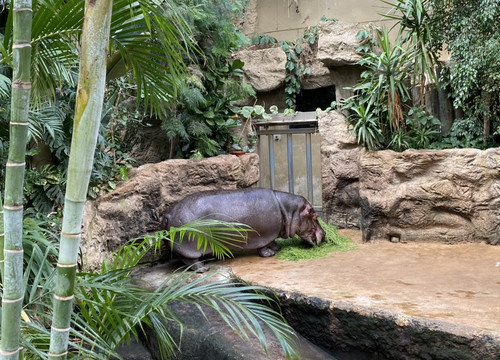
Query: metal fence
x=302, y=150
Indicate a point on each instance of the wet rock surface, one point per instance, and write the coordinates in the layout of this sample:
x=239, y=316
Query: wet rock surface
x=206, y=336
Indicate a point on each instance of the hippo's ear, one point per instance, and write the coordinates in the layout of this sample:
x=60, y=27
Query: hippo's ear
x=307, y=210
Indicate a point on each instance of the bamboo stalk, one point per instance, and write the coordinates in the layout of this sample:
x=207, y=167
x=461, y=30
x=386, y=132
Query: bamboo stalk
x=90, y=96
x=2, y=241
x=12, y=300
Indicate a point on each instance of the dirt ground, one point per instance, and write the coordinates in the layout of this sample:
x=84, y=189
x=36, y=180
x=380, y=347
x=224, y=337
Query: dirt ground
x=457, y=284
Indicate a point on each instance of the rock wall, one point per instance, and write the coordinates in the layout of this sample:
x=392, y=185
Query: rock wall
x=332, y=62
x=426, y=195
x=438, y=195
x=339, y=171
x=136, y=206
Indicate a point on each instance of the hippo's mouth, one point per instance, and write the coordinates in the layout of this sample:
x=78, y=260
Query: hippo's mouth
x=319, y=235
x=310, y=239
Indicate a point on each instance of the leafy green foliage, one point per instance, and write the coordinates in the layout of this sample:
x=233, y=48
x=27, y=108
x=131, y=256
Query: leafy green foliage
x=471, y=75
x=294, y=249
x=418, y=27
x=44, y=189
x=214, y=234
x=149, y=40
x=49, y=140
x=264, y=40
x=422, y=132
x=381, y=112
x=111, y=308
x=473, y=39
x=378, y=109
x=200, y=119
x=296, y=64
x=145, y=36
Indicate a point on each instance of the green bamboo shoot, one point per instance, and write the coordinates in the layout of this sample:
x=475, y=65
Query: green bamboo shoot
x=88, y=108
x=12, y=300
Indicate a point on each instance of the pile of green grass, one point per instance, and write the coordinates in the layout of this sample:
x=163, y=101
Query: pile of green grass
x=295, y=249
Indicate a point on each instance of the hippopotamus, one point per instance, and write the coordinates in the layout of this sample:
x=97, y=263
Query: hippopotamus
x=271, y=214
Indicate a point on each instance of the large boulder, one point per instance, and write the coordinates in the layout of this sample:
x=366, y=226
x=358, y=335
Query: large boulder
x=437, y=195
x=340, y=173
x=264, y=69
x=337, y=43
x=136, y=206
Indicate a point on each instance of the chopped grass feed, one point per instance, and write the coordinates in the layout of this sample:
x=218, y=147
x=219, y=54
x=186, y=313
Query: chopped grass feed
x=295, y=249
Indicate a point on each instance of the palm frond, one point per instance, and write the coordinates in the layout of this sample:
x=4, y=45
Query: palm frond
x=216, y=234
x=152, y=40
x=242, y=307
x=47, y=120
x=5, y=84
x=111, y=308
x=149, y=39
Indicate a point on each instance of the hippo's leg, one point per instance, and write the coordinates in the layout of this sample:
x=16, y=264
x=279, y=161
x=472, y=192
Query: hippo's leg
x=274, y=246
x=266, y=251
x=195, y=265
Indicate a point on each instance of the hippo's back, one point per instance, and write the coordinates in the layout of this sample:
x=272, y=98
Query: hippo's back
x=255, y=207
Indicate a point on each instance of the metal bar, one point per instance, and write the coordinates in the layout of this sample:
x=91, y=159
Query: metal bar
x=287, y=131
x=270, y=142
x=309, y=169
x=289, y=154
x=259, y=151
x=285, y=122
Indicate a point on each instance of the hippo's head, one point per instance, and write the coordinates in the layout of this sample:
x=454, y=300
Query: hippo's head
x=308, y=228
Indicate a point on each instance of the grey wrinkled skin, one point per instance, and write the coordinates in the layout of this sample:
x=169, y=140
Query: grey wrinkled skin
x=272, y=214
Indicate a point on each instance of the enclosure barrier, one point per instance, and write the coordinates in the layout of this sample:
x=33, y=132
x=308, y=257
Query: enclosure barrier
x=290, y=125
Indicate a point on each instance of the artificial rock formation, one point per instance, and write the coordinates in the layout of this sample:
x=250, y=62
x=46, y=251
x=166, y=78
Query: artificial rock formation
x=137, y=205
x=337, y=43
x=339, y=171
x=424, y=195
x=264, y=69
x=333, y=63
x=431, y=195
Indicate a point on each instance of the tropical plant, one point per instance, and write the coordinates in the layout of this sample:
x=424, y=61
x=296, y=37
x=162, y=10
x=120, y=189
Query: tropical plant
x=473, y=75
x=422, y=131
x=145, y=37
x=12, y=297
x=244, y=138
x=418, y=26
x=88, y=109
x=378, y=108
x=134, y=47
x=200, y=120
x=107, y=313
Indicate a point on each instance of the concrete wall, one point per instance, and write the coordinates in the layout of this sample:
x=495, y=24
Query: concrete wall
x=287, y=19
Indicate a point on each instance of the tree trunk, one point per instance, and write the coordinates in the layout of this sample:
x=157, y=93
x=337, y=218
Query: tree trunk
x=88, y=108
x=12, y=300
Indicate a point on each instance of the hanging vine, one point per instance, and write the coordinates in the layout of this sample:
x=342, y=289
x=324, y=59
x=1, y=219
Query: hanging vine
x=299, y=55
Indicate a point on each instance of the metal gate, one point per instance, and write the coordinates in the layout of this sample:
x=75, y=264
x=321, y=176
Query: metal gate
x=293, y=165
